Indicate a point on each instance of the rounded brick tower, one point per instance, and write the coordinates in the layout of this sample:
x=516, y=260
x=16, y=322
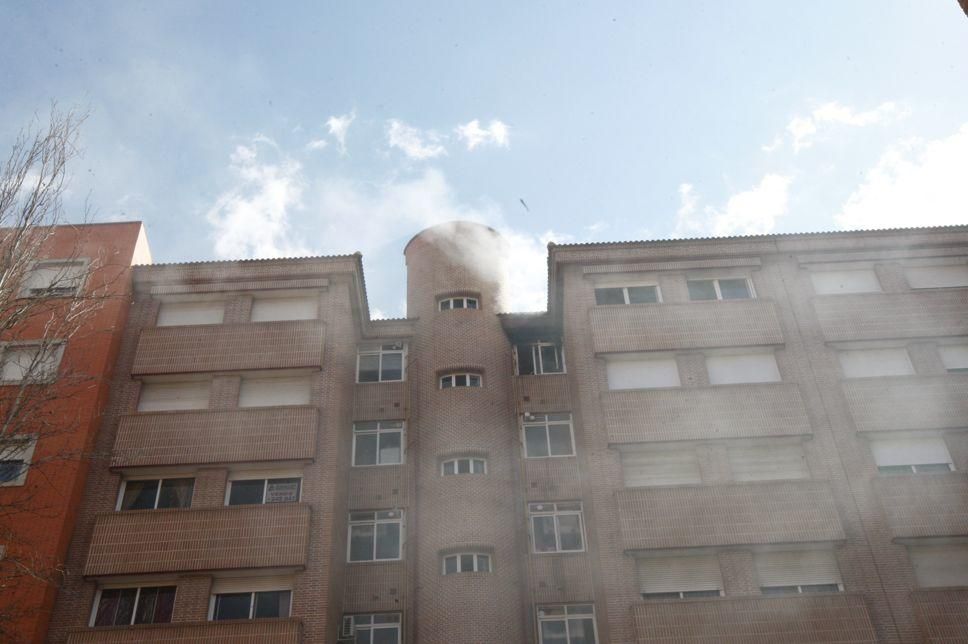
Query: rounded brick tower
x=463, y=445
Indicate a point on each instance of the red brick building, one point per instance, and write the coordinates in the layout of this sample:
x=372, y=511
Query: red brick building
x=757, y=439
x=41, y=484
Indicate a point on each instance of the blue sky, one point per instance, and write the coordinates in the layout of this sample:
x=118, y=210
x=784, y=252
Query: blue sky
x=321, y=128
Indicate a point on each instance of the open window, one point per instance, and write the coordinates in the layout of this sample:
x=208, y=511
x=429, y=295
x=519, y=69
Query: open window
x=539, y=358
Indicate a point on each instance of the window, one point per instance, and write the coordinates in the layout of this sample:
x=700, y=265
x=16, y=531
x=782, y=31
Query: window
x=449, y=303
x=954, y=357
x=940, y=565
x=11, y=469
x=15, y=455
x=380, y=628
x=908, y=454
x=375, y=536
x=383, y=363
x=54, y=279
x=720, y=289
x=937, y=276
x=126, y=606
x=567, y=624
x=460, y=380
x=31, y=363
x=610, y=295
x=539, y=358
x=251, y=605
x=274, y=392
x=660, y=466
x=680, y=577
x=472, y=562
x=797, y=571
x=746, y=367
x=463, y=466
x=638, y=371
x=556, y=527
x=156, y=494
x=190, y=312
x=768, y=462
x=548, y=435
x=377, y=443
x=170, y=396
x=294, y=307
x=260, y=491
x=849, y=281
x=868, y=363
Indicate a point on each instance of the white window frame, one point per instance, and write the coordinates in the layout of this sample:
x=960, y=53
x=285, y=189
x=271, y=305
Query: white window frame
x=265, y=478
x=719, y=292
x=464, y=300
x=469, y=379
x=137, y=599
x=375, y=521
x=161, y=479
x=472, y=460
x=389, y=621
x=399, y=428
x=533, y=421
x=625, y=294
x=38, y=372
x=252, y=593
x=82, y=263
x=382, y=350
x=538, y=360
x=910, y=468
x=566, y=614
x=533, y=512
x=23, y=452
x=476, y=566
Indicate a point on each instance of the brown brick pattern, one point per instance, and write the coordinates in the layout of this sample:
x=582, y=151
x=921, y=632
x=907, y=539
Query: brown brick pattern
x=915, y=402
x=274, y=631
x=375, y=586
x=942, y=614
x=239, y=435
x=925, y=505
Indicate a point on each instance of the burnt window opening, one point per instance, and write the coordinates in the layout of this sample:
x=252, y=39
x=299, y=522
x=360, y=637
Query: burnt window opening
x=539, y=358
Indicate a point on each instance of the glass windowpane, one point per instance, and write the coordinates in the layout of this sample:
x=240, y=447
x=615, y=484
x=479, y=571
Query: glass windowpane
x=560, y=437
x=535, y=442
x=467, y=563
x=553, y=632
x=525, y=360
x=544, y=534
x=484, y=563
x=734, y=289
x=274, y=603
x=569, y=526
x=388, y=541
x=246, y=492
x=463, y=466
x=369, y=368
x=643, y=294
x=450, y=565
x=550, y=359
x=176, y=493
x=386, y=635
x=139, y=495
x=701, y=290
x=361, y=542
x=450, y=467
x=283, y=490
x=232, y=606
x=392, y=368
x=581, y=631
x=471, y=303
x=609, y=296
x=390, y=448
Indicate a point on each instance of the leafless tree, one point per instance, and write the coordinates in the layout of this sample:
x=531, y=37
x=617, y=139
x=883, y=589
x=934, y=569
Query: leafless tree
x=44, y=305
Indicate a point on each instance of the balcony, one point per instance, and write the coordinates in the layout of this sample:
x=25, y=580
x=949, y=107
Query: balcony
x=835, y=617
x=157, y=541
x=229, y=347
x=693, y=325
x=942, y=613
x=727, y=515
x=693, y=413
x=908, y=402
x=256, y=631
x=201, y=437
x=925, y=505
x=872, y=316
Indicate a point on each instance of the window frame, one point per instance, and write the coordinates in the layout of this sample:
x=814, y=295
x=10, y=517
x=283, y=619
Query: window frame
x=265, y=478
x=42, y=374
x=538, y=360
x=718, y=289
x=627, y=300
x=375, y=521
x=134, y=610
x=213, y=601
x=82, y=263
x=471, y=467
x=798, y=589
x=556, y=514
x=903, y=469
x=161, y=480
x=464, y=299
x=23, y=453
x=379, y=432
x=476, y=563
x=452, y=378
x=546, y=426
x=381, y=350
x=565, y=616
x=388, y=623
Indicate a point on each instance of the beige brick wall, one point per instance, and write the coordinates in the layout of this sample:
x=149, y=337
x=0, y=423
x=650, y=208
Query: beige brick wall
x=873, y=316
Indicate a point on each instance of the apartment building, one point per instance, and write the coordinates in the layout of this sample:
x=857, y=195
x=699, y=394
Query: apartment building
x=756, y=439
x=64, y=307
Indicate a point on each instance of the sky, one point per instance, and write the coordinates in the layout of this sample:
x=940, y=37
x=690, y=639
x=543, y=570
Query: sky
x=252, y=130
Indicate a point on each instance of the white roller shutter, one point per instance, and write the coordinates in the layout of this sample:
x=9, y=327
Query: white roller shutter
x=679, y=574
x=954, y=356
x=941, y=565
x=271, y=392
x=272, y=309
x=629, y=372
x=910, y=451
x=866, y=363
x=855, y=281
x=747, y=367
x=796, y=567
x=250, y=584
x=165, y=396
x=768, y=462
x=185, y=313
x=937, y=276
x=660, y=467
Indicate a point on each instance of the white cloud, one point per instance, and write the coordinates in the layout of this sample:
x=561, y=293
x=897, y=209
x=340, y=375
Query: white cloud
x=251, y=218
x=803, y=129
x=496, y=133
x=752, y=212
x=338, y=126
x=412, y=142
x=914, y=183
x=316, y=144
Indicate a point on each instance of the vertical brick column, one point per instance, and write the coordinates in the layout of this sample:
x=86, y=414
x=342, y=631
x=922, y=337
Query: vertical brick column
x=714, y=464
x=891, y=277
x=739, y=576
x=692, y=369
x=238, y=310
x=673, y=287
x=191, y=598
x=926, y=359
x=210, y=485
x=224, y=392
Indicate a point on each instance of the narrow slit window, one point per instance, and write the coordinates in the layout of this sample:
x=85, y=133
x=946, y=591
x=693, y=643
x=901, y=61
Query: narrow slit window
x=463, y=466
